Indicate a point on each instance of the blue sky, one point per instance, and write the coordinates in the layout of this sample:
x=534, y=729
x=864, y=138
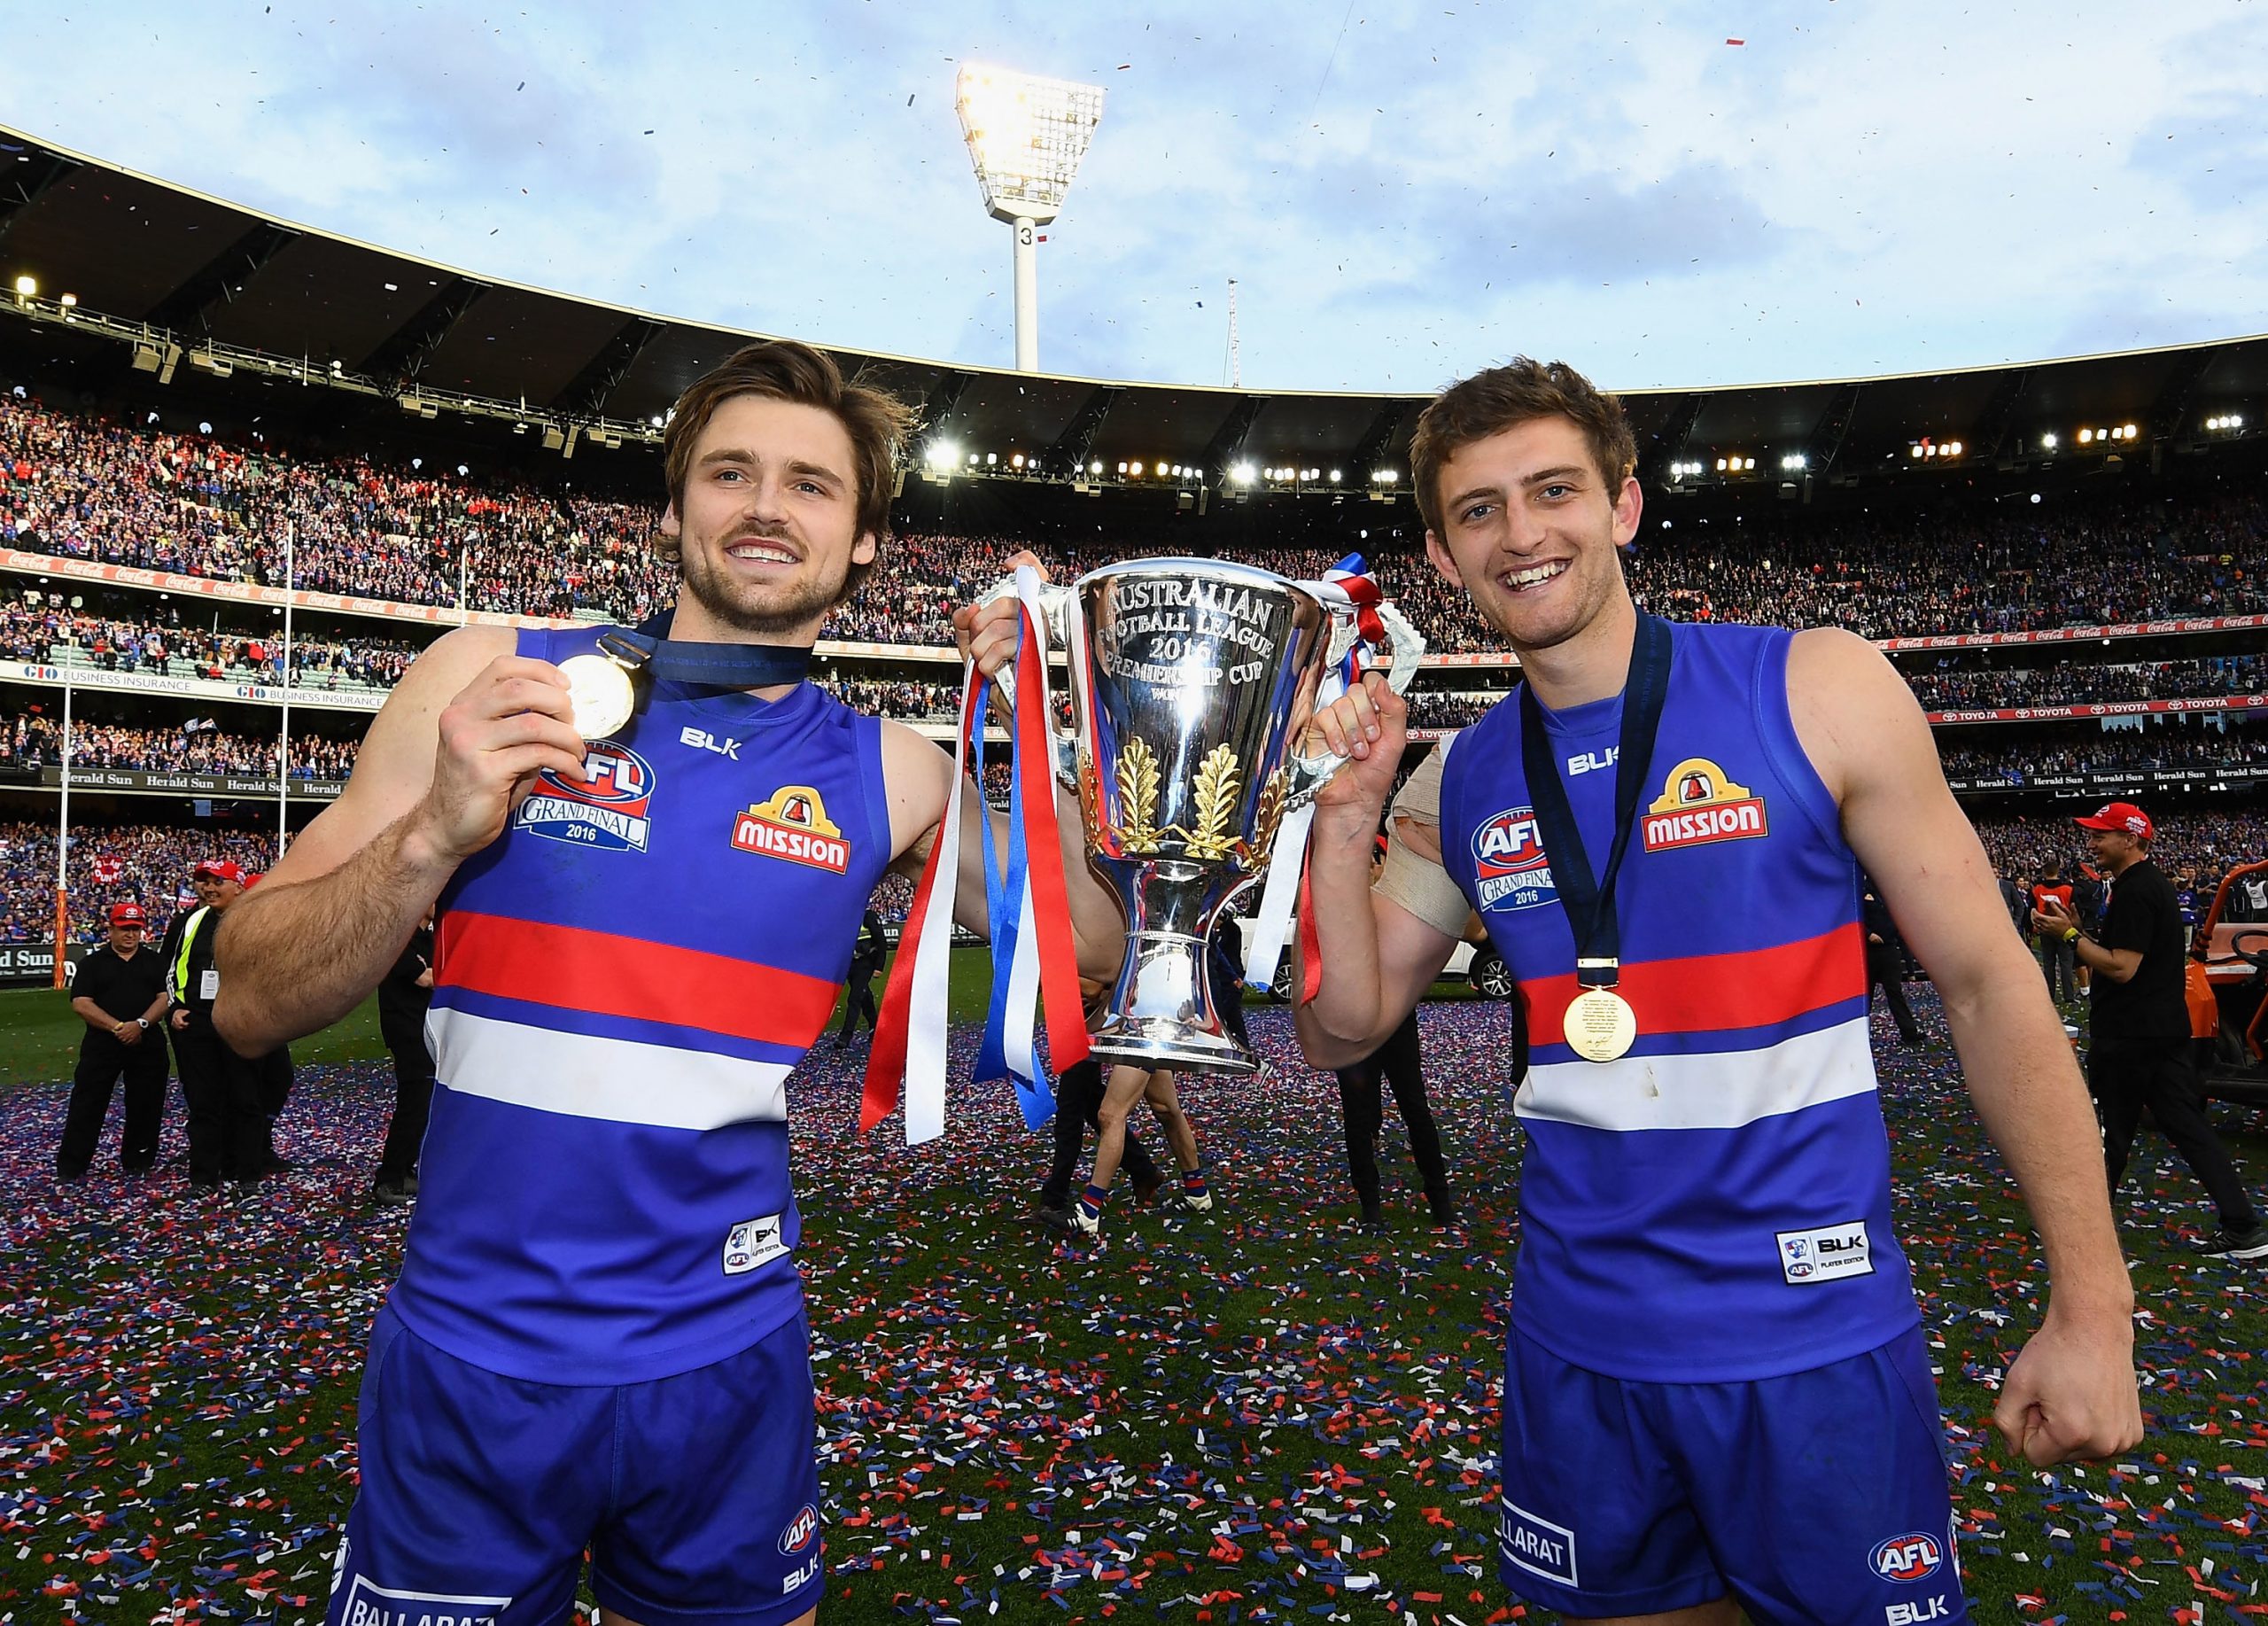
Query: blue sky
x=1403, y=192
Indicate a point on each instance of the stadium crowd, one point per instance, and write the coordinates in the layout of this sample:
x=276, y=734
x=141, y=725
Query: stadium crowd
x=2086, y=747
x=117, y=632
x=79, y=485
x=32, y=739
x=148, y=864
x=2081, y=683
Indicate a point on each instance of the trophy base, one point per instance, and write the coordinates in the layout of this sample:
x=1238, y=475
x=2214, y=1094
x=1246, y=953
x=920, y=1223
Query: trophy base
x=1171, y=1044
x=1161, y=1014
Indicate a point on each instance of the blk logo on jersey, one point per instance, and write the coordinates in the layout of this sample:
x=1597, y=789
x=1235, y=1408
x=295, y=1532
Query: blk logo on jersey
x=700, y=739
x=1937, y=1608
x=792, y=823
x=1699, y=804
x=612, y=812
x=1827, y=1254
x=1914, y=1556
x=1509, y=868
x=752, y=1243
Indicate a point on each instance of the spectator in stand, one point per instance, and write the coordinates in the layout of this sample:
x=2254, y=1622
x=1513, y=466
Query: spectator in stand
x=120, y=994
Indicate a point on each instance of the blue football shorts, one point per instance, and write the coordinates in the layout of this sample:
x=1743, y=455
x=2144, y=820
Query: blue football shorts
x=1815, y=1499
x=696, y=1496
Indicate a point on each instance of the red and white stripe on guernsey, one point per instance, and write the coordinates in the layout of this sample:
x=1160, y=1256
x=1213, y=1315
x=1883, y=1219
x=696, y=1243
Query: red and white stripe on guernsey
x=668, y=1080
x=1710, y=994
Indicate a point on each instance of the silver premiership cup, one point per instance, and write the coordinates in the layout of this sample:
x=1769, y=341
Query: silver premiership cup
x=1191, y=683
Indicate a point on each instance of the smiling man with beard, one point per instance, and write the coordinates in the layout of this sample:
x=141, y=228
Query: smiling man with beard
x=1717, y=1393
x=597, y=1340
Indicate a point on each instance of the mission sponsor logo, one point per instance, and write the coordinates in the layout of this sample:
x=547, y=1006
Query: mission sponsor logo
x=1509, y=868
x=610, y=813
x=1699, y=804
x=792, y=823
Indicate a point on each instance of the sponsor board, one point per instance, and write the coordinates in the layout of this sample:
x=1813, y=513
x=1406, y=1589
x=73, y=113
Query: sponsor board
x=235, y=786
x=96, y=677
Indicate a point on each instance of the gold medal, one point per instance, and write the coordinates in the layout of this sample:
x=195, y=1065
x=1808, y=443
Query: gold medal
x=600, y=690
x=1600, y=1025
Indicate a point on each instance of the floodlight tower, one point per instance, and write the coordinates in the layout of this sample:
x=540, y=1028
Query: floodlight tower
x=1026, y=136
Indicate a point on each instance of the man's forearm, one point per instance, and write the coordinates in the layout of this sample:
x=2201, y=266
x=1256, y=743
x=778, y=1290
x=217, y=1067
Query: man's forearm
x=297, y=958
x=1098, y=928
x=1336, y=1025
x=2023, y=1080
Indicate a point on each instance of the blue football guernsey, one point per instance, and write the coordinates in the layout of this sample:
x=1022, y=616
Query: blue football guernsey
x=625, y=981
x=1715, y=1205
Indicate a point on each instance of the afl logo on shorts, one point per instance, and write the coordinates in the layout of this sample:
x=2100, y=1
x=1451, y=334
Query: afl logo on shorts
x=1913, y=1557
x=1509, y=868
x=609, y=812
x=1698, y=805
x=802, y=1531
x=792, y=823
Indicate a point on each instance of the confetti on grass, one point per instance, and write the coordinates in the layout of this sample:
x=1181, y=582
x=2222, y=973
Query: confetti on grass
x=1265, y=1414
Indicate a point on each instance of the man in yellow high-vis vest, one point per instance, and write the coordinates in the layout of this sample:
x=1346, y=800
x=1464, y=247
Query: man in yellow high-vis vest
x=227, y=1130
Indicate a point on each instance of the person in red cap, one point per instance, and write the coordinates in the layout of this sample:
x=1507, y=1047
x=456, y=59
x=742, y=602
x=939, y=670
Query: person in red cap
x=120, y=994
x=227, y=1129
x=2138, y=1059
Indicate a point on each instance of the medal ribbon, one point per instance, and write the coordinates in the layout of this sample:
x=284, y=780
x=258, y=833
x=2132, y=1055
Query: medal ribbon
x=1590, y=903
x=650, y=651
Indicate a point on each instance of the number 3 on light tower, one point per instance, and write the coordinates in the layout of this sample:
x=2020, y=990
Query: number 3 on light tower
x=1023, y=237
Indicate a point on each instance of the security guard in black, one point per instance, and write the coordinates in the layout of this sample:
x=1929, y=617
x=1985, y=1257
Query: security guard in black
x=119, y=992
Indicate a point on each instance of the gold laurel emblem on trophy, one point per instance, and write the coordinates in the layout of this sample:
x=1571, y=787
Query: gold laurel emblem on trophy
x=1216, y=792
x=1265, y=818
x=1138, y=797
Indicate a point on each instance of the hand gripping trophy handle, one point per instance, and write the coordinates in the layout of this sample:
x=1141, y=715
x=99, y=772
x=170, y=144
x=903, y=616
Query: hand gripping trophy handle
x=1051, y=608
x=1406, y=648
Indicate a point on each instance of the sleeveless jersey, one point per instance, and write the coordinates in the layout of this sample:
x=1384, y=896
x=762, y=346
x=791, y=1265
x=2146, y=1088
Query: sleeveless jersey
x=625, y=981
x=1715, y=1205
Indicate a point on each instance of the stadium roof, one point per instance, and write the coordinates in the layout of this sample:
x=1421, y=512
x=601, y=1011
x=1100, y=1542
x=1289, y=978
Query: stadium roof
x=142, y=250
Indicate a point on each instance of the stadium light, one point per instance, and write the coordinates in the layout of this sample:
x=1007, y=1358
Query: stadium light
x=2047, y=443
x=1026, y=136
x=26, y=286
x=1242, y=474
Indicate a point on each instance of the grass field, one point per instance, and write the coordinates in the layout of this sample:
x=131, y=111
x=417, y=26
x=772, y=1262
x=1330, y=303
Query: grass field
x=1261, y=1415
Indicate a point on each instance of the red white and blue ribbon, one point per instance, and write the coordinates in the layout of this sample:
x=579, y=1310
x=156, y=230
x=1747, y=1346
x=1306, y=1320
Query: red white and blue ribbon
x=1027, y=904
x=1287, y=865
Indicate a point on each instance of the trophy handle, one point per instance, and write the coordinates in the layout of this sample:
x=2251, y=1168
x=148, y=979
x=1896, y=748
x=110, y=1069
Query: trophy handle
x=1405, y=647
x=1054, y=611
